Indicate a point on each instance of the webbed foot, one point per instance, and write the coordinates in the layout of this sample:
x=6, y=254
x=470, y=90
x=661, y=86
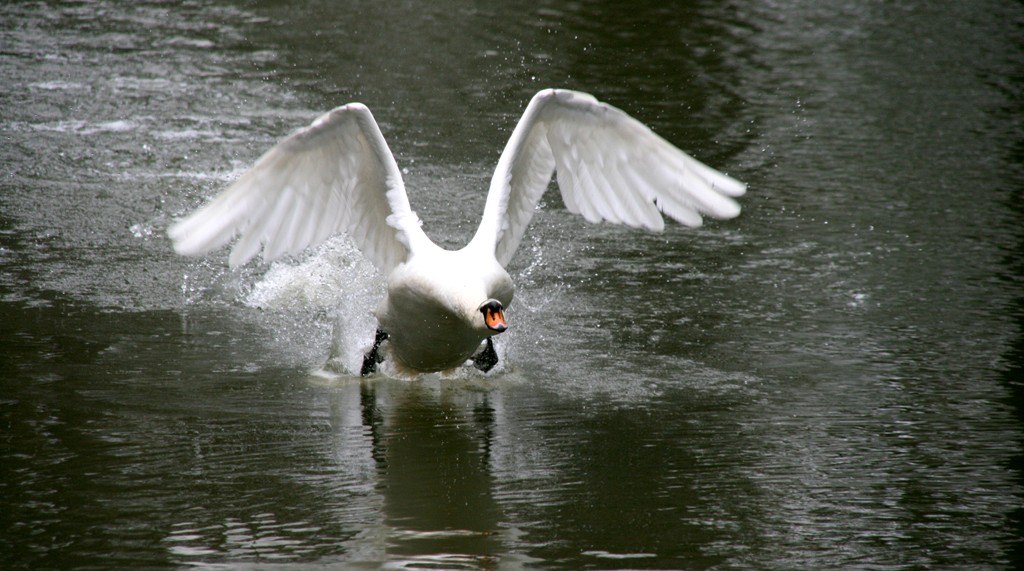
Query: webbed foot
x=373, y=357
x=486, y=360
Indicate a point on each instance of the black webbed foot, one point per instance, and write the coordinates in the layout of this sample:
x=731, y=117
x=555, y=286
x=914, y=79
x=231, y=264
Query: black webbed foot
x=486, y=360
x=373, y=357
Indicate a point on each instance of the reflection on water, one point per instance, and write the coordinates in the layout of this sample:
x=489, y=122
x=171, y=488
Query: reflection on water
x=432, y=451
x=407, y=467
x=829, y=381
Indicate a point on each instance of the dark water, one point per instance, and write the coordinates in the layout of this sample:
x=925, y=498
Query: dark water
x=831, y=381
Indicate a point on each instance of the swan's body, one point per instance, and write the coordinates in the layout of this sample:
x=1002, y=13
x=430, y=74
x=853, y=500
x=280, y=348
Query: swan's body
x=432, y=308
x=338, y=175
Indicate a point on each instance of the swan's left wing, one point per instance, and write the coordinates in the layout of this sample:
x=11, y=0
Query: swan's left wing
x=609, y=167
x=337, y=175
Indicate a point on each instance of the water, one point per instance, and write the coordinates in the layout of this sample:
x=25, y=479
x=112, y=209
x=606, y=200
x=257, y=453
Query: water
x=833, y=380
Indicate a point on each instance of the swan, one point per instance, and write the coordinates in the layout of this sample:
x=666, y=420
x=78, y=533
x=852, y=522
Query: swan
x=442, y=307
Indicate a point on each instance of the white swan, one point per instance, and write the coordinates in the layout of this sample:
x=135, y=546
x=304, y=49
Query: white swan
x=338, y=175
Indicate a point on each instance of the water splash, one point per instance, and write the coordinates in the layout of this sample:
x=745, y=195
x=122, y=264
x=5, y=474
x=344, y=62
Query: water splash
x=335, y=289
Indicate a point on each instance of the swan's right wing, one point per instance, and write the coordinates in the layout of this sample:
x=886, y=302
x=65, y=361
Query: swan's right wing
x=610, y=167
x=337, y=175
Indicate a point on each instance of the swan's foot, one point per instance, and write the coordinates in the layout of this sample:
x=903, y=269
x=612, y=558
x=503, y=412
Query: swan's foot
x=486, y=360
x=373, y=358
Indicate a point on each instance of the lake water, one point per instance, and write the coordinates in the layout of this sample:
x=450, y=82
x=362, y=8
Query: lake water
x=831, y=381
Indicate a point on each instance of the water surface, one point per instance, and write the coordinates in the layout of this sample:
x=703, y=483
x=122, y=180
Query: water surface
x=830, y=381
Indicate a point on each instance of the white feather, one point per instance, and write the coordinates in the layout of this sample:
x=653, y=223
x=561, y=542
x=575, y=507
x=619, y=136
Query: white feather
x=609, y=167
x=338, y=175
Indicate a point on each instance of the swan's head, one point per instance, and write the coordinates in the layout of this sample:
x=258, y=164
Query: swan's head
x=494, y=316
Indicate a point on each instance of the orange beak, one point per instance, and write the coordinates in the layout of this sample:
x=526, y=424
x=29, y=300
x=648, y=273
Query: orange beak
x=494, y=317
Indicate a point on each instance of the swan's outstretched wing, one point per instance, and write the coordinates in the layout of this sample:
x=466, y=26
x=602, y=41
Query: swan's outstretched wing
x=335, y=175
x=609, y=167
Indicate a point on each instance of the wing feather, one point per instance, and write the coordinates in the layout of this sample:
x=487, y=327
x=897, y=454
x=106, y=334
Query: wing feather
x=640, y=208
x=608, y=166
x=337, y=175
